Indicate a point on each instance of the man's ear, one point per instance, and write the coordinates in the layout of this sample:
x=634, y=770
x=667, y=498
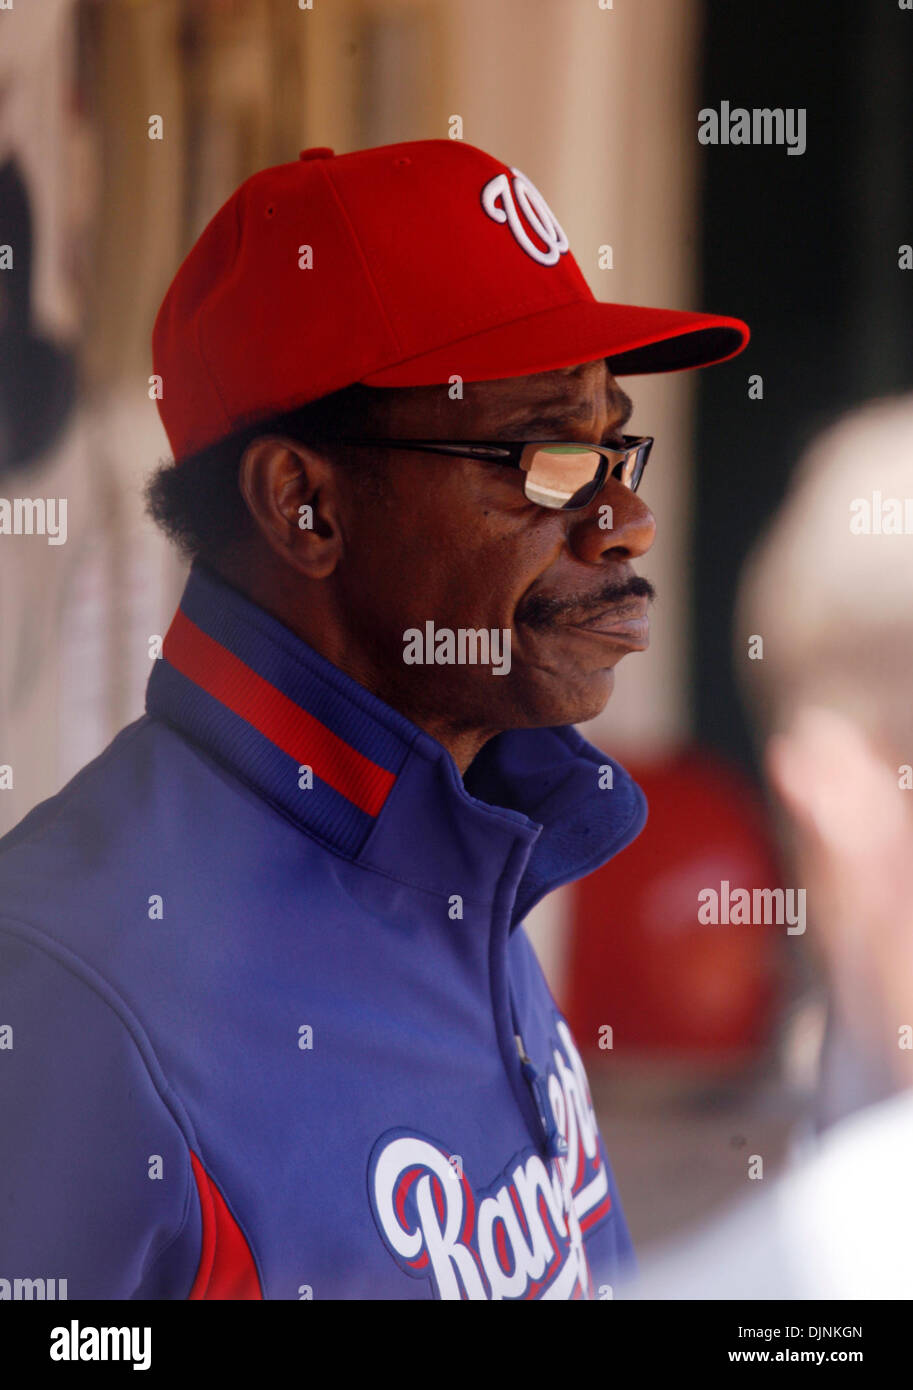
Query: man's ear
x=835, y=785
x=291, y=493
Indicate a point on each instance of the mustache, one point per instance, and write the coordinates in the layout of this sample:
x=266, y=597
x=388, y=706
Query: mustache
x=541, y=611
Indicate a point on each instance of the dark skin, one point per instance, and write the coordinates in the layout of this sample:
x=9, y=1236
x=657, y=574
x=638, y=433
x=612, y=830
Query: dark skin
x=457, y=542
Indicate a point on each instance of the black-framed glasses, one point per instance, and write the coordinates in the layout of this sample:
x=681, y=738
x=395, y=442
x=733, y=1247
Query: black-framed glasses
x=557, y=473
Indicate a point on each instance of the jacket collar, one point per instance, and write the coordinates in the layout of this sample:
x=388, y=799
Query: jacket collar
x=528, y=816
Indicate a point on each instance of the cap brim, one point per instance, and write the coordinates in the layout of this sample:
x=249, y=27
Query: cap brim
x=633, y=341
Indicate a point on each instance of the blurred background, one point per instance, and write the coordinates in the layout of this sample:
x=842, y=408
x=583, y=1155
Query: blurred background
x=717, y=1035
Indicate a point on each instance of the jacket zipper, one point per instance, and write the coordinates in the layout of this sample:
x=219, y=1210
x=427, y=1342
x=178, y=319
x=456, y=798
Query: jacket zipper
x=555, y=1143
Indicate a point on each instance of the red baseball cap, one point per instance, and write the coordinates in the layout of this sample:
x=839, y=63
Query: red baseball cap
x=404, y=265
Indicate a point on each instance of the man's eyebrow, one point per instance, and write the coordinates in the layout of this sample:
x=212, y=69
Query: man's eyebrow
x=554, y=416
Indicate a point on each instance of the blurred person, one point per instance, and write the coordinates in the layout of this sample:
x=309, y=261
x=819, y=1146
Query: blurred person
x=50, y=493
x=278, y=1030
x=57, y=512
x=829, y=589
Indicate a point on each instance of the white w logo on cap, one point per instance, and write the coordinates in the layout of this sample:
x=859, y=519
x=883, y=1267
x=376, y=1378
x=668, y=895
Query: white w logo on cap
x=504, y=204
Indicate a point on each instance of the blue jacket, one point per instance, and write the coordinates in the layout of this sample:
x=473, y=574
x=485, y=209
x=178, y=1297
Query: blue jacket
x=270, y=1024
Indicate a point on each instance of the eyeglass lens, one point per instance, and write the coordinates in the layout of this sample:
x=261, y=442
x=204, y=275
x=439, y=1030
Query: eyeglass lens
x=567, y=476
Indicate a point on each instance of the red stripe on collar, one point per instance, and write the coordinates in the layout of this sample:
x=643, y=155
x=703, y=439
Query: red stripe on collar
x=229, y=680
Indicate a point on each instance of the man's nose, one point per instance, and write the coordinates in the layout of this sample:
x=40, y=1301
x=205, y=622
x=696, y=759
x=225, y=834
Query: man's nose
x=615, y=523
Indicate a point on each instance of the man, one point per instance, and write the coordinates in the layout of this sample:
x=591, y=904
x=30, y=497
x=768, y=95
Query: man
x=833, y=701
x=279, y=1031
